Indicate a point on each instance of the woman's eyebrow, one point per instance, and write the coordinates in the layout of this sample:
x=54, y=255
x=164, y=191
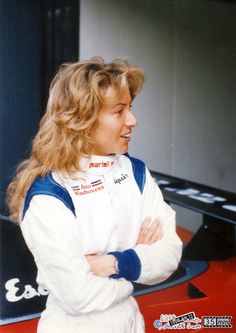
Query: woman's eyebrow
x=120, y=104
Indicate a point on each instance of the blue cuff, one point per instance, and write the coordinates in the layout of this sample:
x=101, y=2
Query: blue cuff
x=129, y=265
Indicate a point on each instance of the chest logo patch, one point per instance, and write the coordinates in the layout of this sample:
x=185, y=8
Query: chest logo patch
x=121, y=178
x=88, y=188
x=102, y=164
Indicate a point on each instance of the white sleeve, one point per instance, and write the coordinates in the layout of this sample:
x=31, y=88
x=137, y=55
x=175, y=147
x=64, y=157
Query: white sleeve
x=51, y=233
x=160, y=259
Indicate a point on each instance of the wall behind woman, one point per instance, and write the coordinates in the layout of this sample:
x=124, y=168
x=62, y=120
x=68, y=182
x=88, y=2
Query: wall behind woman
x=187, y=108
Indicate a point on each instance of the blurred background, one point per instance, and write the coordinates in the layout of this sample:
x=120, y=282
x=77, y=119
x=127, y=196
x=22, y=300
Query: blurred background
x=186, y=111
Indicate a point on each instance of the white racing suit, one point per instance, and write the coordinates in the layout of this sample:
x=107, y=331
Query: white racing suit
x=109, y=205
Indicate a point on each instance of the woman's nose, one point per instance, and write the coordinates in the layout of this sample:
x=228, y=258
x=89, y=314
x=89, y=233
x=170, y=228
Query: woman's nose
x=131, y=120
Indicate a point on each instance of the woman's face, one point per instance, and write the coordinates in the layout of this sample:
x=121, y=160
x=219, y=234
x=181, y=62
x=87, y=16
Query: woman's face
x=114, y=124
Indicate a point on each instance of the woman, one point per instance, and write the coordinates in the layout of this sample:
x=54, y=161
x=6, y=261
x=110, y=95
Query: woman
x=92, y=216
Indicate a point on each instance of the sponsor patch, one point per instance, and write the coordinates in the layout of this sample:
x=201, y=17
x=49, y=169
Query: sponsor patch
x=102, y=164
x=121, y=178
x=88, y=188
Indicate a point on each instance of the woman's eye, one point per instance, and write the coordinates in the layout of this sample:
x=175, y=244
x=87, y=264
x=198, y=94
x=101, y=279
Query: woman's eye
x=119, y=111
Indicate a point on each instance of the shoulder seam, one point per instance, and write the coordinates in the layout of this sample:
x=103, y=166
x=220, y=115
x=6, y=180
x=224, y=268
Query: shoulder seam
x=48, y=186
x=139, y=171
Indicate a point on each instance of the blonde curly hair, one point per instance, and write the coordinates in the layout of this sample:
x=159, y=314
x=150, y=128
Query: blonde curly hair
x=75, y=97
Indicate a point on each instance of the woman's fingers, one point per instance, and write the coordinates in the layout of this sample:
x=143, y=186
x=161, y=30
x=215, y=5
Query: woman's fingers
x=143, y=231
x=102, y=264
x=157, y=233
x=150, y=231
x=154, y=232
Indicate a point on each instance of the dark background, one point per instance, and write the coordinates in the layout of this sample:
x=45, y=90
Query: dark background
x=35, y=38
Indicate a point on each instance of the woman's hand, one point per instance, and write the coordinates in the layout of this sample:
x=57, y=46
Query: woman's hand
x=102, y=264
x=151, y=231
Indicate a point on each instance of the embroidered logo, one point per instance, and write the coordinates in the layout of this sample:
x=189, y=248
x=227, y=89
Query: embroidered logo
x=97, y=182
x=88, y=188
x=103, y=164
x=120, y=179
